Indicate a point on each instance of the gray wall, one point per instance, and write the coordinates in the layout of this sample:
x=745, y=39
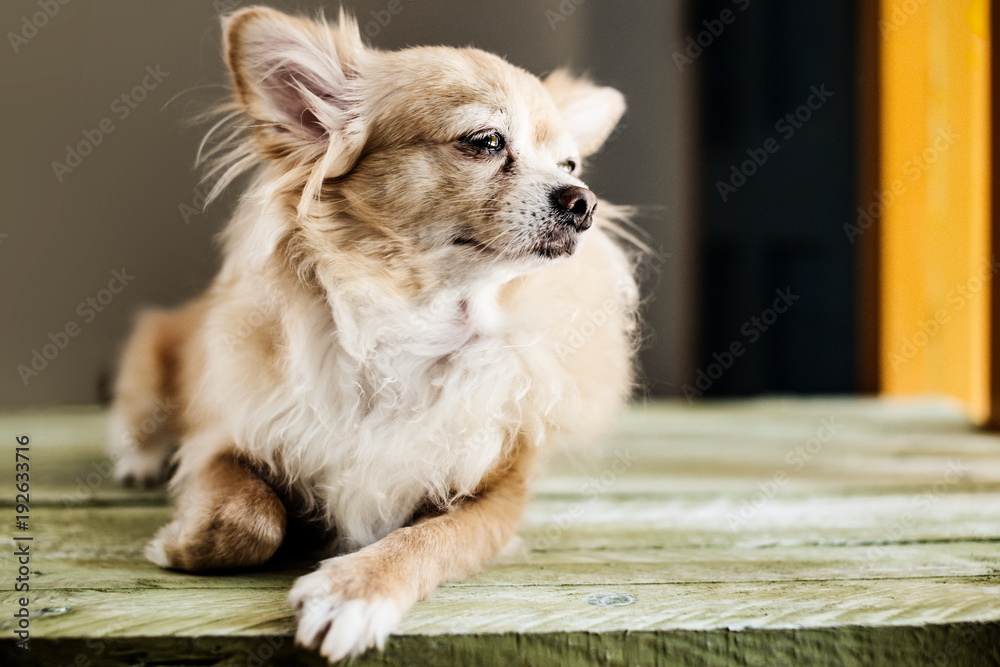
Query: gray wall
x=124, y=206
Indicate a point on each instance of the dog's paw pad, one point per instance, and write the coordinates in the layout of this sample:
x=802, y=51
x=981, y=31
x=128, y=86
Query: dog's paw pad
x=340, y=627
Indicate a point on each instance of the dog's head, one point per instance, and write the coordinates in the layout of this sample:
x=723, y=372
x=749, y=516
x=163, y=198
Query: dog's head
x=450, y=161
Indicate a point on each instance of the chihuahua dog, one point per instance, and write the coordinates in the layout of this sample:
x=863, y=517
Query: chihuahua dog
x=417, y=295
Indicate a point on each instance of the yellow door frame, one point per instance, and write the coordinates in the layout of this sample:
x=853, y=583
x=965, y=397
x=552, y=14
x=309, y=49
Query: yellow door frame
x=927, y=216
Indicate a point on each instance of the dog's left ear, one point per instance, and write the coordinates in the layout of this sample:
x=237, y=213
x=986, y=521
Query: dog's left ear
x=590, y=112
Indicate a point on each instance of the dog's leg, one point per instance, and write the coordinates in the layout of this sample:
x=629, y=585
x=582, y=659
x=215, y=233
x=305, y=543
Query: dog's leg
x=140, y=436
x=353, y=602
x=227, y=517
x=146, y=415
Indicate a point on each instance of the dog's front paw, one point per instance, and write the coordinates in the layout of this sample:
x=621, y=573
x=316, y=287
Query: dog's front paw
x=335, y=619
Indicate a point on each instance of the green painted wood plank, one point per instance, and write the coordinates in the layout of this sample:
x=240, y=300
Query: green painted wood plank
x=68, y=458
x=129, y=571
x=866, y=552
x=646, y=567
x=523, y=609
x=614, y=523
x=954, y=645
x=670, y=449
x=738, y=565
x=725, y=449
x=102, y=548
x=603, y=523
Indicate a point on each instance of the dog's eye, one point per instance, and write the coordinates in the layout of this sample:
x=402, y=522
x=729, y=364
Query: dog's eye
x=568, y=166
x=490, y=142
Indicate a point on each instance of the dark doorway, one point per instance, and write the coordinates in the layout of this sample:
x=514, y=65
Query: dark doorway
x=776, y=183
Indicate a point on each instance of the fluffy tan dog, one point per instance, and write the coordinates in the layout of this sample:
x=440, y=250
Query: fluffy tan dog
x=418, y=293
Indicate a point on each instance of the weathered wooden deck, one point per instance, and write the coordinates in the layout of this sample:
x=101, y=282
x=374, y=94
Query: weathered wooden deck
x=761, y=533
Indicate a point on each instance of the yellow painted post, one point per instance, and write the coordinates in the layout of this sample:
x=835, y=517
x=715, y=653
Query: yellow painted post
x=936, y=275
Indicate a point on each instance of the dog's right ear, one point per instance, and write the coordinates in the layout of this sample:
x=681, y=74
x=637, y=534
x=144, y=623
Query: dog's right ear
x=295, y=78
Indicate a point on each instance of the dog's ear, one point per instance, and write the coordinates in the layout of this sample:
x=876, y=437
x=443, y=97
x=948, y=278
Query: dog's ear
x=590, y=112
x=294, y=76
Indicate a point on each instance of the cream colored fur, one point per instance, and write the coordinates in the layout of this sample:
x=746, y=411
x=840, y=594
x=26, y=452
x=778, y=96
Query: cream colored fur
x=402, y=318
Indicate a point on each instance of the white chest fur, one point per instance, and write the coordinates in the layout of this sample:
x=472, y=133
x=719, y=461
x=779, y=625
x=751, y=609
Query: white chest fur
x=390, y=408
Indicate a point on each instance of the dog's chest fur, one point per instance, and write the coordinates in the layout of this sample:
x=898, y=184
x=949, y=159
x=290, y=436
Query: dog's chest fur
x=383, y=408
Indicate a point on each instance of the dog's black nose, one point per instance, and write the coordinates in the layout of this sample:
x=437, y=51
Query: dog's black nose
x=579, y=203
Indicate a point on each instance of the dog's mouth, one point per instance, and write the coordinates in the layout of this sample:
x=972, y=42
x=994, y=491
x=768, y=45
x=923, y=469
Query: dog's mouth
x=475, y=244
x=559, y=241
x=555, y=242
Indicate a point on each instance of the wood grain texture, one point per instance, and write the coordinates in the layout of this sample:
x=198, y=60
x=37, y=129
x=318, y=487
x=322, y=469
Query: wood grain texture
x=759, y=533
